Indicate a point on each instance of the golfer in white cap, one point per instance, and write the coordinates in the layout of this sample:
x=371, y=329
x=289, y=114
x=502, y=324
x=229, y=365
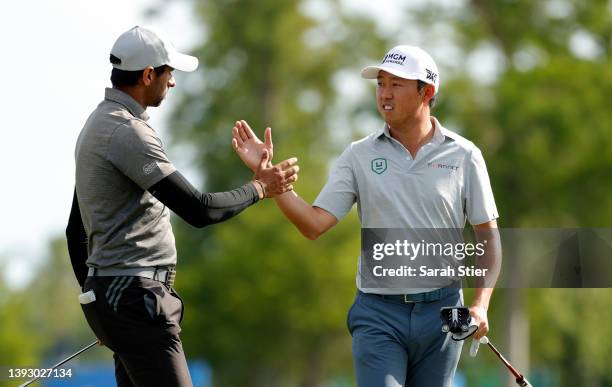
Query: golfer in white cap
x=412, y=173
x=119, y=235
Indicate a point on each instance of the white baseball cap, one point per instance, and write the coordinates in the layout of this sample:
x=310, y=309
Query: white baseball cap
x=408, y=62
x=140, y=47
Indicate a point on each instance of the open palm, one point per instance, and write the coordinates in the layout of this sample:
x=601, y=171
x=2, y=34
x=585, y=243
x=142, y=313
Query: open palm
x=248, y=146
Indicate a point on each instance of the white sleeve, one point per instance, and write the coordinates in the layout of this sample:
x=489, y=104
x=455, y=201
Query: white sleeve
x=479, y=201
x=340, y=192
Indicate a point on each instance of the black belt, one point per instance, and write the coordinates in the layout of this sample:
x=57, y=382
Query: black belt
x=434, y=295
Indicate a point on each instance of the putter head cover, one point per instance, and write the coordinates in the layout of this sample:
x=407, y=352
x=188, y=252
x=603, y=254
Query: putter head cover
x=457, y=322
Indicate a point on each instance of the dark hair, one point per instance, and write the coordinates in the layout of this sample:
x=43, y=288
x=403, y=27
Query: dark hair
x=420, y=86
x=129, y=78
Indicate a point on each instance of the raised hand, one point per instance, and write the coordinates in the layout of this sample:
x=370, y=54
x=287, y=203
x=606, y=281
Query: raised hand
x=276, y=179
x=248, y=146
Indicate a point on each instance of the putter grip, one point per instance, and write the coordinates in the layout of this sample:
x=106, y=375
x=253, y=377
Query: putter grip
x=474, y=348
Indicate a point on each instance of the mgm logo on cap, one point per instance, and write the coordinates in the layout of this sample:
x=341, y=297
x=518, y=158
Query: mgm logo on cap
x=394, y=57
x=408, y=62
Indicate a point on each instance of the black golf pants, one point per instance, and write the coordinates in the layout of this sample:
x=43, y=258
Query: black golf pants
x=138, y=319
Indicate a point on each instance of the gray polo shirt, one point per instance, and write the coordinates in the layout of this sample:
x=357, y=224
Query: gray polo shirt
x=442, y=187
x=118, y=157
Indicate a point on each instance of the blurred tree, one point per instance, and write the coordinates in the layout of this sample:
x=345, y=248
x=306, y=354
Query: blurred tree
x=526, y=81
x=538, y=108
x=43, y=321
x=264, y=305
x=55, y=312
x=18, y=345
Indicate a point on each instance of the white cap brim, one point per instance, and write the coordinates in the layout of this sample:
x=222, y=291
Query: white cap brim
x=371, y=72
x=183, y=62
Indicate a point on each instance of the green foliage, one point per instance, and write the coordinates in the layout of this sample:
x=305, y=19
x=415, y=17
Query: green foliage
x=265, y=305
x=546, y=141
x=43, y=321
x=270, y=305
x=544, y=129
x=570, y=329
x=18, y=345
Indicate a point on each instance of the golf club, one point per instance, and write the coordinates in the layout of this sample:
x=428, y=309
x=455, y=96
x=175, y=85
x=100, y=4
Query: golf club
x=520, y=379
x=63, y=362
x=458, y=325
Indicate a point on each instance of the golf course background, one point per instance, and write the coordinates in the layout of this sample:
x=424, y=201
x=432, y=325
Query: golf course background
x=529, y=82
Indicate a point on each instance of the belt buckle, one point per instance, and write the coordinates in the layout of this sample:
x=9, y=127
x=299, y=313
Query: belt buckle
x=406, y=300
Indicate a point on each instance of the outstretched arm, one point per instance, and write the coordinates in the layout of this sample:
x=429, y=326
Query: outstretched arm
x=202, y=209
x=310, y=221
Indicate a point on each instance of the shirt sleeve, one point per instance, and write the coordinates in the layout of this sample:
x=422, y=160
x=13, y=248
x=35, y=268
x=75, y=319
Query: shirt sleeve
x=340, y=192
x=479, y=201
x=136, y=150
x=202, y=209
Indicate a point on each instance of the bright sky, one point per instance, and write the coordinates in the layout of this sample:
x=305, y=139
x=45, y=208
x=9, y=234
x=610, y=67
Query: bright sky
x=55, y=66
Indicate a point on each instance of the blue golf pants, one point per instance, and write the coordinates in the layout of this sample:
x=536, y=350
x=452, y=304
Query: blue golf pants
x=397, y=344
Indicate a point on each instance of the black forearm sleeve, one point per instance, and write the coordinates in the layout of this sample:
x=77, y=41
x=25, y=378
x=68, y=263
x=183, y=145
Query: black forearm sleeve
x=201, y=209
x=77, y=242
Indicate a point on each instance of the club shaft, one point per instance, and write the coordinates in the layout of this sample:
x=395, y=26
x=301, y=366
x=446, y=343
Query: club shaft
x=62, y=362
x=75, y=354
x=514, y=371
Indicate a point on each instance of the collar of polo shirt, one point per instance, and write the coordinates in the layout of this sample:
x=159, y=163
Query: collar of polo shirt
x=128, y=102
x=438, y=137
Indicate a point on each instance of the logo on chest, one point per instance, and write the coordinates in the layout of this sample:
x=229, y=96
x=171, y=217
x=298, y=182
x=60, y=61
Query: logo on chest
x=450, y=167
x=379, y=165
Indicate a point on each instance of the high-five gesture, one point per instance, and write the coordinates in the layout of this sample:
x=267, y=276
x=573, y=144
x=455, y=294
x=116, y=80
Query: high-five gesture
x=257, y=155
x=248, y=146
x=275, y=179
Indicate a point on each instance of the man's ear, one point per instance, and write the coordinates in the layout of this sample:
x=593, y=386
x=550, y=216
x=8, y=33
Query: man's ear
x=147, y=75
x=428, y=93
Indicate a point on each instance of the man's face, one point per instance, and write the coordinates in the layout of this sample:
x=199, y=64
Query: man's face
x=397, y=99
x=159, y=86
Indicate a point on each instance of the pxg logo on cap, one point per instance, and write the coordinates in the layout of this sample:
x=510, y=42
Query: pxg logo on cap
x=408, y=62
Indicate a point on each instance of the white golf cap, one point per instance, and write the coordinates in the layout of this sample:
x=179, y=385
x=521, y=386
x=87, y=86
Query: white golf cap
x=408, y=62
x=144, y=46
